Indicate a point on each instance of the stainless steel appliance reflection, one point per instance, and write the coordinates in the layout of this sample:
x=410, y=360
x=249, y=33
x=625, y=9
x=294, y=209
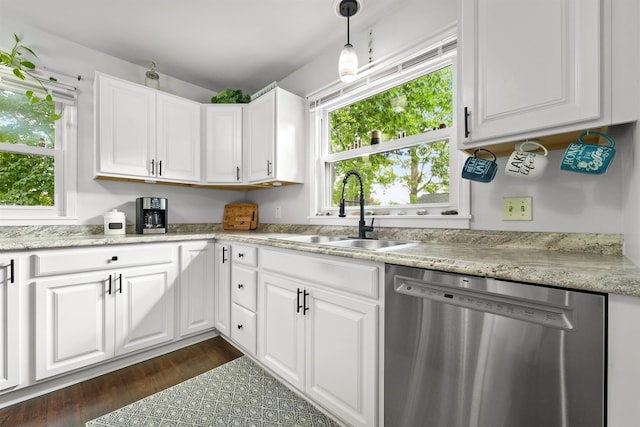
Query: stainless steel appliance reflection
x=465, y=351
x=152, y=215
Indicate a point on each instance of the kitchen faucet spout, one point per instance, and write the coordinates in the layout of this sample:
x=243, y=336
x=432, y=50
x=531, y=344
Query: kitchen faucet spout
x=362, y=228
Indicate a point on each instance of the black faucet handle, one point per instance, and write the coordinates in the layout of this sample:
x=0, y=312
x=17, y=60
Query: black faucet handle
x=368, y=227
x=341, y=213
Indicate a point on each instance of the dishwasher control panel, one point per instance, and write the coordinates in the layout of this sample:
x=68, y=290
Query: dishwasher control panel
x=517, y=308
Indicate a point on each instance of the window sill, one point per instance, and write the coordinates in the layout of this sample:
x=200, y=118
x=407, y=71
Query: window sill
x=412, y=221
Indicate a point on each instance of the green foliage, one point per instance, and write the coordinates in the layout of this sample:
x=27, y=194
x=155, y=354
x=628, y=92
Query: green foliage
x=230, y=96
x=426, y=104
x=25, y=179
x=22, y=69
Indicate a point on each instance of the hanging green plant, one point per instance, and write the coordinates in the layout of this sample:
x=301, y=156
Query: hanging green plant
x=23, y=69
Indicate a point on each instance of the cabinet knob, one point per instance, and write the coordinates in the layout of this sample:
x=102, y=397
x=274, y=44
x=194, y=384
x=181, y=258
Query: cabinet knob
x=240, y=326
x=240, y=286
x=241, y=255
x=114, y=258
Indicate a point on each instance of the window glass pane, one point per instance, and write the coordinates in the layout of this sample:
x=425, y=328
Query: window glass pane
x=26, y=180
x=22, y=123
x=412, y=108
x=408, y=176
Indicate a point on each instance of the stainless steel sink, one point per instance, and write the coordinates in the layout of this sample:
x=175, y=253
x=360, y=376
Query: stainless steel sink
x=349, y=242
x=313, y=238
x=370, y=244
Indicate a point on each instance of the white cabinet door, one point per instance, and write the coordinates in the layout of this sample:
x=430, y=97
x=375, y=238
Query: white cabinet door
x=178, y=138
x=222, y=288
x=145, y=309
x=528, y=65
x=261, y=117
x=126, y=127
x=223, y=142
x=9, y=318
x=341, y=355
x=196, y=287
x=281, y=328
x=244, y=282
x=243, y=328
x=73, y=322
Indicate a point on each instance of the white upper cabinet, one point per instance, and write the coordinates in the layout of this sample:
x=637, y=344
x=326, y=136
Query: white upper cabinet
x=178, y=138
x=541, y=68
x=143, y=133
x=275, y=138
x=223, y=144
x=125, y=127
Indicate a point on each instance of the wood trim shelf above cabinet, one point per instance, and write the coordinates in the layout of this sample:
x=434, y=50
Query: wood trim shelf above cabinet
x=228, y=187
x=550, y=142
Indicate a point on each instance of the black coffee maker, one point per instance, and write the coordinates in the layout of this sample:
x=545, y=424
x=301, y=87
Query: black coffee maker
x=152, y=215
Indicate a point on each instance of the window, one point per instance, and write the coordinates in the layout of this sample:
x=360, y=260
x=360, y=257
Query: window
x=396, y=129
x=37, y=155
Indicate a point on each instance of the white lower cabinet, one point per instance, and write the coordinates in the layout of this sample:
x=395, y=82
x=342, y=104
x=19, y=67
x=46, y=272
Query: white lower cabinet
x=244, y=277
x=85, y=318
x=196, y=287
x=243, y=327
x=322, y=341
x=145, y=308
x=9, y=321
x=222, y=288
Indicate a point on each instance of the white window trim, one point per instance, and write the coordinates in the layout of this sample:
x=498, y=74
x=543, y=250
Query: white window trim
x=459, y=196
x=65, y=156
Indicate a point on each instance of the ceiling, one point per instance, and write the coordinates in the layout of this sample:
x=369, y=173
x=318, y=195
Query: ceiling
x=216, y=44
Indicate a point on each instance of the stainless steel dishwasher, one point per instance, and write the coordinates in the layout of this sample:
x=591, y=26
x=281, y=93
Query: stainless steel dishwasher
x=466, y=351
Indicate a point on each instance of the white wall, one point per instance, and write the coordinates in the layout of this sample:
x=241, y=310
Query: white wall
x=98, y=196
x=631, y=193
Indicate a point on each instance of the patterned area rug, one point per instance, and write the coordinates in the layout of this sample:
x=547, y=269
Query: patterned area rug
x=238, y=393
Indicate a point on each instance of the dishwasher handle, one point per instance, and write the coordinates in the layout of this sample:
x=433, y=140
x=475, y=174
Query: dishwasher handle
x=516, y=308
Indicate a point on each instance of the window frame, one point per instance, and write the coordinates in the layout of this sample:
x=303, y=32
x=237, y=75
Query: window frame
x=322, y=213
x=64, y=154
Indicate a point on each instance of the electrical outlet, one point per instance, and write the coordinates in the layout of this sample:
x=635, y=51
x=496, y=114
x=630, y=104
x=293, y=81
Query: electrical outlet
x=517, y=208
x=278, y=212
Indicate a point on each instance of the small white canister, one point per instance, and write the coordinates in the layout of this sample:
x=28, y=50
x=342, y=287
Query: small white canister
x=114, y=222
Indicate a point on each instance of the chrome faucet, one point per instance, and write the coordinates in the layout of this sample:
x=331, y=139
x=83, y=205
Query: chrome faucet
x=362, y=228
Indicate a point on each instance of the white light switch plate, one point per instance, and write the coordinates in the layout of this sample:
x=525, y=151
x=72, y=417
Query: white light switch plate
x=517, y=208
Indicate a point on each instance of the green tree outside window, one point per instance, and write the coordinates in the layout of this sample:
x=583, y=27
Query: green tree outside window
x=413, y=108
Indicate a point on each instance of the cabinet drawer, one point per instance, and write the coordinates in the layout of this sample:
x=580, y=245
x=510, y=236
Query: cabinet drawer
x=63, y=261
x=245, y=255
x=243, y=287
x=353, y=276
x=243, y=327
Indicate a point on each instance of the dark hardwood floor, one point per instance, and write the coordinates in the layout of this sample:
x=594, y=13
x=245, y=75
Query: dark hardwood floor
x=79, y=403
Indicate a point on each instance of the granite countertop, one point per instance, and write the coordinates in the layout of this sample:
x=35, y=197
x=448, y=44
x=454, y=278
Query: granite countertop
x=592, y=262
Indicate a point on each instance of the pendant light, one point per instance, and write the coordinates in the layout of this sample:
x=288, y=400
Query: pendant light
x=348, y=62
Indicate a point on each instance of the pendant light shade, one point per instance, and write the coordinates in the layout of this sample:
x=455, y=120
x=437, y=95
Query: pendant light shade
x=348, y=62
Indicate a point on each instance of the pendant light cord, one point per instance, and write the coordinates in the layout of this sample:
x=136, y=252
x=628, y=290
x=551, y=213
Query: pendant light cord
x=348, y=32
